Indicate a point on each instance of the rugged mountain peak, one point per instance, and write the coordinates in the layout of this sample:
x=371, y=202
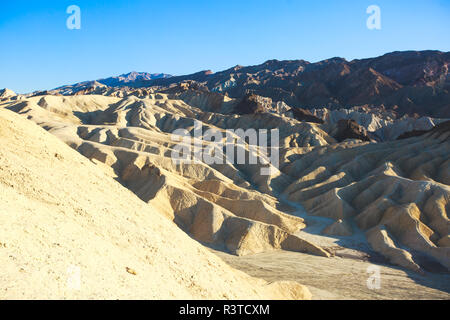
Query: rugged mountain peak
x=335, y=60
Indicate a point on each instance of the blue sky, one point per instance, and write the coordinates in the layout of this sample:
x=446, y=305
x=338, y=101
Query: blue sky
x=180, y=37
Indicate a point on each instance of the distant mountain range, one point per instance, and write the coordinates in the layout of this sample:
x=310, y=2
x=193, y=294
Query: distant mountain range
x=132, y=77
x=127, y=79
x=409, y=82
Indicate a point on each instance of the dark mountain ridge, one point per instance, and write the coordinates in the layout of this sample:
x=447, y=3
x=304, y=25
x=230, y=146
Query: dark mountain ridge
x=408, y=82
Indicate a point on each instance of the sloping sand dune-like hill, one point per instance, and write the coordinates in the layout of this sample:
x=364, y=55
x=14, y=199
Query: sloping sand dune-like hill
x=69, y=230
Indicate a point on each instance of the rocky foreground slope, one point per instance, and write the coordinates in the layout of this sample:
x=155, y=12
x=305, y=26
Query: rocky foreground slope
x=396, y=192
x=63, y=217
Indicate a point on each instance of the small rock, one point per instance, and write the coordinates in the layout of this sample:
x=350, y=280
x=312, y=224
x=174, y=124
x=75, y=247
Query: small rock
x=131, y=271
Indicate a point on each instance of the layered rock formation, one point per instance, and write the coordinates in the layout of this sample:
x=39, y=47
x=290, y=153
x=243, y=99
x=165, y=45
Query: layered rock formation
x=395, y=190
x=380, y=124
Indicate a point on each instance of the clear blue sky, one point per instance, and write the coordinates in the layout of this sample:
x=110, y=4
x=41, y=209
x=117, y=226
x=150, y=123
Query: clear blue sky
x=180, y=37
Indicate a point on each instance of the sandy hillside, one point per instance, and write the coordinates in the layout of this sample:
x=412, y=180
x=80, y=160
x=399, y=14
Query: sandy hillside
x=61, y=216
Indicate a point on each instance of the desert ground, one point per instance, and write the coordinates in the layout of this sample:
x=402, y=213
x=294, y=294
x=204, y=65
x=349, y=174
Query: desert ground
x=340, y=278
